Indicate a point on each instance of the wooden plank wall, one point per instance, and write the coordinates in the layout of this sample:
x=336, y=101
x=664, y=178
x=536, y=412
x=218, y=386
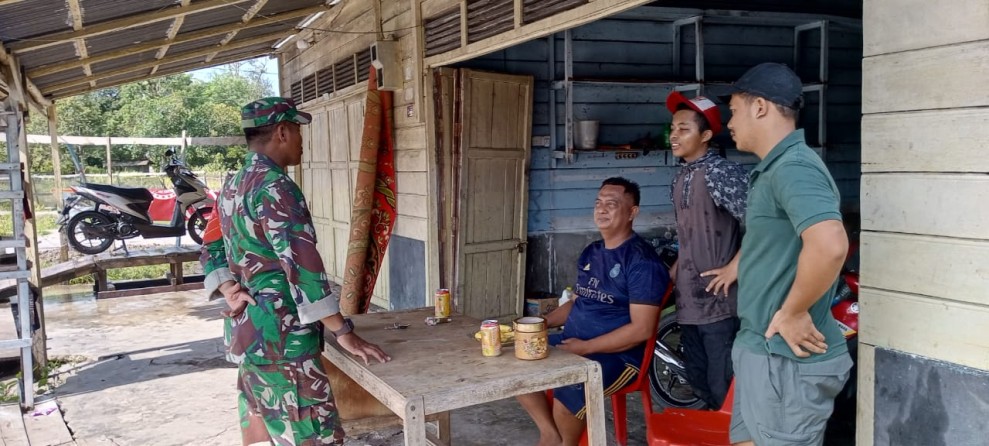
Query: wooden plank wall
x=638, y=45
x=925, y=240
x=328, y=173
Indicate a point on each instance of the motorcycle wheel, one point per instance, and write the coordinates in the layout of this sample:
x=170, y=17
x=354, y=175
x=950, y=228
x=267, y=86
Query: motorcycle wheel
x=90, y=221
x=668, y=388
x=196, y=225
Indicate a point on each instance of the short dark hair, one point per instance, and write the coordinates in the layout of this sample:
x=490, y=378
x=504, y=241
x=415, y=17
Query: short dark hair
x=787, y=112
x=702, y=124
x=259, y=135
x=631, y=187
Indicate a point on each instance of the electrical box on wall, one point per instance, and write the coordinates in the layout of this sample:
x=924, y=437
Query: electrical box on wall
x=384, y=59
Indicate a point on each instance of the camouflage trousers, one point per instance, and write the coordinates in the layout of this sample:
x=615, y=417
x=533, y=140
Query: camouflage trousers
x=293, y=399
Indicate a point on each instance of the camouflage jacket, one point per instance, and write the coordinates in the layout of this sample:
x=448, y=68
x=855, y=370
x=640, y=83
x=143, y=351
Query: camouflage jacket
x=269, y=247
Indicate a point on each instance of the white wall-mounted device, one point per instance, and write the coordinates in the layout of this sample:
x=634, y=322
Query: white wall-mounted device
x=384, y=59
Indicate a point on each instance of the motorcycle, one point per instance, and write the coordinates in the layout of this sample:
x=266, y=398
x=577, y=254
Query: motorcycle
x=668, y=373
x=120, y=213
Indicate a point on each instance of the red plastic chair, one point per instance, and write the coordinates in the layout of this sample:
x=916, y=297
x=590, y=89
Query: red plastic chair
x=689, y=427
x=641, y=384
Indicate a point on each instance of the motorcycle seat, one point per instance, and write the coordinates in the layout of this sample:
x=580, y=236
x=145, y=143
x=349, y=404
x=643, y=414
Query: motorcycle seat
x=130, y=193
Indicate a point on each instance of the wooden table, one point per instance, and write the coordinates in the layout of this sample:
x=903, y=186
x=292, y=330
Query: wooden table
x=435, y=369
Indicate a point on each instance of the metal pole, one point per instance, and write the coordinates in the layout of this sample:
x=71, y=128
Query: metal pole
x=109, y=162
x=568, y=84
x=63, y=248
x=184, y=145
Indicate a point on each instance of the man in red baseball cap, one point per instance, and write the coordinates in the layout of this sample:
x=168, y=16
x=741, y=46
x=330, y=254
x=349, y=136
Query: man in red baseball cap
x=708, y=195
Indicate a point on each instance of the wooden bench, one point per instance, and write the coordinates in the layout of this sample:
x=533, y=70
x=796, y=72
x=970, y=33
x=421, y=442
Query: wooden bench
x=99, y=264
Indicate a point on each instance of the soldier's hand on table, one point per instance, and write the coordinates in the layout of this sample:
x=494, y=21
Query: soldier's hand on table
x=361, y=348
x=236, y=297
x=574, y=345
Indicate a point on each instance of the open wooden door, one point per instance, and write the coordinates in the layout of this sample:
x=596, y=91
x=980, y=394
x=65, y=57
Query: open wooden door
x=495, y=115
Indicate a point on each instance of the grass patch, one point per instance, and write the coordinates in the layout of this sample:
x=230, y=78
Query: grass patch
x=138, y=273
x=47, y=379
x=44, y=223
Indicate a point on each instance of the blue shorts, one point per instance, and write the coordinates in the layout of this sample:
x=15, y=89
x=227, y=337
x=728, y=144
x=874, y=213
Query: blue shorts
x=618, y=370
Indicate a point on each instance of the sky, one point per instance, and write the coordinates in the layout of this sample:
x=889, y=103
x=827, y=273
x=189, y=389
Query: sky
x=271, y=72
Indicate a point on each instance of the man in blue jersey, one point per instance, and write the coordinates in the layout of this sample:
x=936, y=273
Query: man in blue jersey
x=620, y=285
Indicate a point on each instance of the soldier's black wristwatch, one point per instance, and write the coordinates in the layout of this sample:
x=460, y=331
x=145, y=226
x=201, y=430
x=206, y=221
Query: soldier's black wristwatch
x=348, y=326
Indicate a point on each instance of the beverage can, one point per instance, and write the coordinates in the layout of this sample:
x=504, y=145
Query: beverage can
x=490, y=338
x=442, y=302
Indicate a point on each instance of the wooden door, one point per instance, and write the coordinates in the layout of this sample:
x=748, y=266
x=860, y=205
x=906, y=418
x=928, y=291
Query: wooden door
x=495, y=112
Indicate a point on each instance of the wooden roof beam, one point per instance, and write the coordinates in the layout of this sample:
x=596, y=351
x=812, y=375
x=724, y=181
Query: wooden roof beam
x=170, y=36
x=75, y=17
x=9, y=2
x=47, y=40
x=85, y=88
x=255, y=9
x=34, y=93
x=270, y=37
x=180, y=38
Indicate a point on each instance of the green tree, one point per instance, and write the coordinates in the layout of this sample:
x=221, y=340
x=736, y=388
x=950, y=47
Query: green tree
x=160, y=107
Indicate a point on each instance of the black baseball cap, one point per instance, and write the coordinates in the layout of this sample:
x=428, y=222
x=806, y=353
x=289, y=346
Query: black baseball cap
x=772, y=81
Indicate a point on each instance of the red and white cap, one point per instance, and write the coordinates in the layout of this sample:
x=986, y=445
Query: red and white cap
x=699, y=104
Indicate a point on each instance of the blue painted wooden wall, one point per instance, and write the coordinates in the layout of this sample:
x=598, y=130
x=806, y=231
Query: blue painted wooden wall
x=639, y=45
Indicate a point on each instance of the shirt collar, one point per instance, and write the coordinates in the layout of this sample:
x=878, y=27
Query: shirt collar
x=257, y=158
x=707, y=156
x=794, y=138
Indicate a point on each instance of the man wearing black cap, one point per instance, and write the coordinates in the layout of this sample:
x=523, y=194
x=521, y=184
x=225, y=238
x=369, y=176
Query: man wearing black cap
x=708, y=196
x=790, y=358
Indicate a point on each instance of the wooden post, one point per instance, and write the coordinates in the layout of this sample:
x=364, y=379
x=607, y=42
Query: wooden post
x=109, y=161
x=63, y=247
x=176, y=266
x=101, y=283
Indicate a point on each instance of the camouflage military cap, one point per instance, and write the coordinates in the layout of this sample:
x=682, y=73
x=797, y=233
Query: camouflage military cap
x=270, y=111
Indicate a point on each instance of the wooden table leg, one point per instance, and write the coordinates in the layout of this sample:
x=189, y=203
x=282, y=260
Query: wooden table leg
x=594, y=395
x=415, y=422
x=443, y=428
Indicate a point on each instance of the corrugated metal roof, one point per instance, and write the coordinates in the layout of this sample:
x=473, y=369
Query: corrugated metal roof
x=49, y=55
x=122, y=78
x=213, y=17
x=95, y=11
x=195, y=44
x=284, y=5
x=122, y=38
x=59, y=77
x=262, y=30
x=122, y=62
x=114, y=41
x=254, y=50
x=32, y=18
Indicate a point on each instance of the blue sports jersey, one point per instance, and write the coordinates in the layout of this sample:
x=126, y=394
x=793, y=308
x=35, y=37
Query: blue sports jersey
x=608, y=281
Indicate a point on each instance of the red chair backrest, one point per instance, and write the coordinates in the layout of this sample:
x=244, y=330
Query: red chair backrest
x=650, y=346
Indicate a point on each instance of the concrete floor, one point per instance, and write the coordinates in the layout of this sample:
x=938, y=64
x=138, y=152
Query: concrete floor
x=152, y=373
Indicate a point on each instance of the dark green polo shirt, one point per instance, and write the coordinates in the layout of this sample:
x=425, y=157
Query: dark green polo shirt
x=789, y=191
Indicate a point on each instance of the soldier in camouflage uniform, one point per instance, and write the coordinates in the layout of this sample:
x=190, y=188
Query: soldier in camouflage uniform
x=263, y=261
